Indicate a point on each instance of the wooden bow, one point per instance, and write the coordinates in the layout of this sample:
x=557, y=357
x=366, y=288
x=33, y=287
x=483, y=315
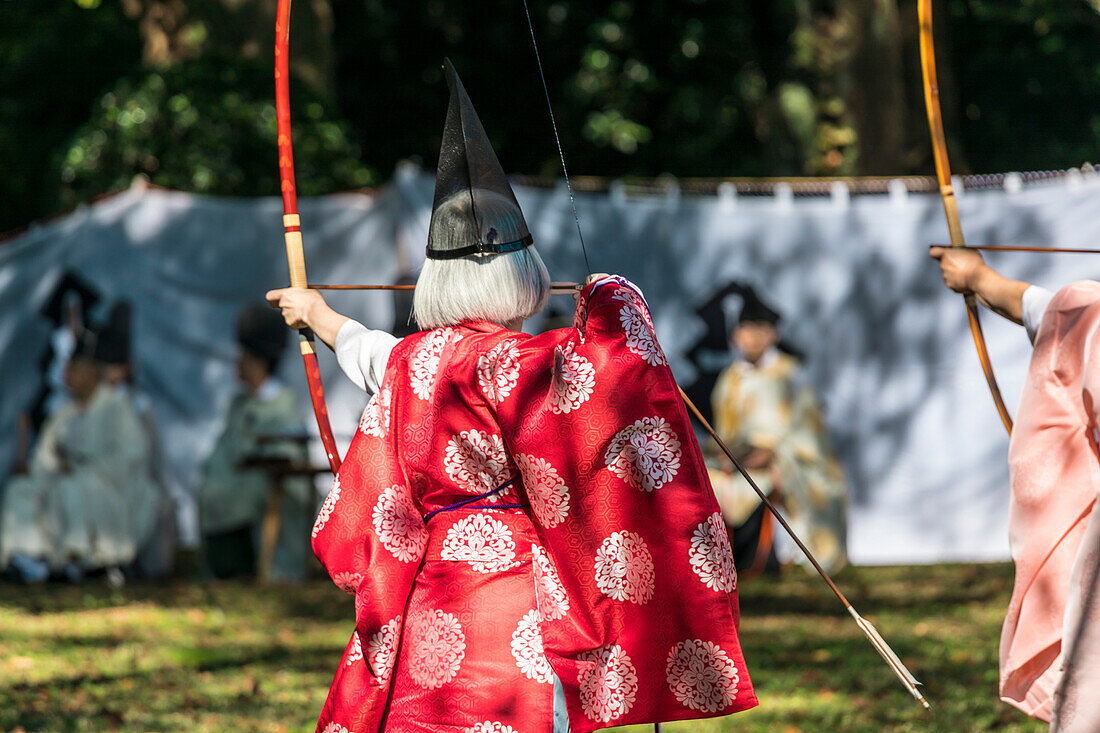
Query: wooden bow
x=947, y=193
x=292, y=224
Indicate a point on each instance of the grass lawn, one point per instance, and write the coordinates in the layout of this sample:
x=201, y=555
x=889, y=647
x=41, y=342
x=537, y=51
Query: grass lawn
x=231, y=657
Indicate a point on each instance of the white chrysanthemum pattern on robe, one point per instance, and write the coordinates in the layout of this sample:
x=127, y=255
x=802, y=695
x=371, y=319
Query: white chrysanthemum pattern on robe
x=498, y=371
x=424, y=364
x=437, y=646
x=477, y=462
x=382, y=649
x=399, y=526
x=347, y=582
x=376, y=418
x=550, y=594
x=609, y=687
x=701, y=675
x=490, y=726
x=711, y=556
x=327, y=507
x=482, y=541
x=335, y=728
x=646, y=454
x=624, y=568
x=356, y=652
x=547, y=491
x=641, y=337
x=527, y=649
x=573, y=382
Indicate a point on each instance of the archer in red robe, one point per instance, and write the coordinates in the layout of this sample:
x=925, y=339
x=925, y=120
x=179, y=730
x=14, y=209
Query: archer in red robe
x=515, y=509
x=525, y=521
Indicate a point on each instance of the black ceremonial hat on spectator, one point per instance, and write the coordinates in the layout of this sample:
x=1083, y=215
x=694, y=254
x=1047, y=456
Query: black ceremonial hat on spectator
x=262, y=332
x=754, y=310
x=471, y=182
x=113, y=344
x=85, y=347
x=70, y=285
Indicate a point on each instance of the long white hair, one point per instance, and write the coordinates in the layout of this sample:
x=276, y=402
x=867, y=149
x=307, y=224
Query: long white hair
x=496, y=287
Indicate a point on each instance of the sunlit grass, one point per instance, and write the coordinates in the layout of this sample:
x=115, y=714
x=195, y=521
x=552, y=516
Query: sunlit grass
x=230, y=657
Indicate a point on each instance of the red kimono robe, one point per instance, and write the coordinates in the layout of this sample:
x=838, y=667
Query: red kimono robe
x=603, y=561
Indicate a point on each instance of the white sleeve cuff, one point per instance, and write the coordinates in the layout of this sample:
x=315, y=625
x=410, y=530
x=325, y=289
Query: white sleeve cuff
x=362, y=353
x=1034, y=305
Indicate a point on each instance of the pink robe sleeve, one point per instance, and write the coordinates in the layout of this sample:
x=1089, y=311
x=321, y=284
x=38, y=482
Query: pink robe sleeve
x=371, y=539
x=637, y=589
x=1055, y=479
x=1076, y=704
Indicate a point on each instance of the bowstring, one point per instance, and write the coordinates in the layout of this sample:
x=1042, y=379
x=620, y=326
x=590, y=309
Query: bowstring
x=557, y=137
x=561, y=156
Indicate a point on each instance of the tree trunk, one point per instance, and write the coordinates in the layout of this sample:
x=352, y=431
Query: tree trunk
x=178, y=30
x=873, y=83
x=850, y=53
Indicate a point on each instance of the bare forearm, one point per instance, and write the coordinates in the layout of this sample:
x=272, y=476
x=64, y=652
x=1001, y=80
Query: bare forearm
x=1000, y=294
x=964, y=271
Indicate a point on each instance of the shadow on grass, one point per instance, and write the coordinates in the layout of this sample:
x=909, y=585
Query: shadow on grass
x=169, y=690
x=795, y=593
x=192, y=660
x=877, y=589
x=314, y=600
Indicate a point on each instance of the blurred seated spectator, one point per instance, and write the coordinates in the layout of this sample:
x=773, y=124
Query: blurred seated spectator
x=152, y=514
x=235, y=489
x=767, y=412
x=89, y=476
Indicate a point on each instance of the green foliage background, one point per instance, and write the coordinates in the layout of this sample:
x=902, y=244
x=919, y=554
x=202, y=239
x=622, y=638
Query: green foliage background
x=207, y=126
x=688, y=87
x=1029, y=89
x=56, y=58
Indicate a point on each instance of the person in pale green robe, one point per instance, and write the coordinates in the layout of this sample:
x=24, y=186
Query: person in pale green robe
x=233, y=496
x=88, y=483
x=769, y=414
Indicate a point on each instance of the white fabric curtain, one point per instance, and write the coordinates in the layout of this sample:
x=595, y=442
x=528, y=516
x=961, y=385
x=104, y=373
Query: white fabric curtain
x=887, y=345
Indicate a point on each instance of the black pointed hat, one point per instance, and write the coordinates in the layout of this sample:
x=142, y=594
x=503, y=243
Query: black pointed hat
x=113, y=345
x=70, y=288
x=262, y=332
x=475, y=211
x=755, y=310
x=85, y=347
